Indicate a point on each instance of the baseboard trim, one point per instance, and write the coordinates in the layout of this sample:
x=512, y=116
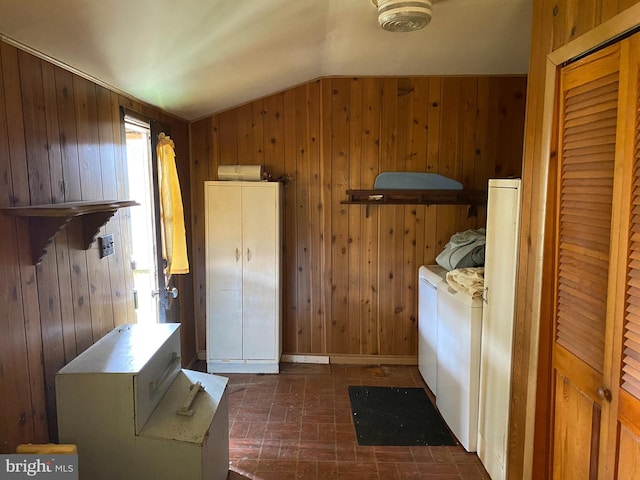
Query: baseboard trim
x=294, y=358
x=374, y=359
x=342, y=359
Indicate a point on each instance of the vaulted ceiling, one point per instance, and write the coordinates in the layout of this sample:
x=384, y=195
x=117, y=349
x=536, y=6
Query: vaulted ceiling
x=197, y=57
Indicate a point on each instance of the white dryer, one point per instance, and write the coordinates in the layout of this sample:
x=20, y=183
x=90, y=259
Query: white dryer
x=459, y=339
x=429, y=277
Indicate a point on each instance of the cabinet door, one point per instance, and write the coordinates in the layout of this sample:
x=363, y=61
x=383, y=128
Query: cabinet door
x=224, y=271
x=260, y=281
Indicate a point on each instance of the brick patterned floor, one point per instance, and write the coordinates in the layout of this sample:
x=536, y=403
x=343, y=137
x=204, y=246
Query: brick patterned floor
x=298, y=425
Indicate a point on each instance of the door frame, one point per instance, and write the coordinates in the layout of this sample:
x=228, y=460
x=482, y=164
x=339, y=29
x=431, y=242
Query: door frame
x=537, y=426
x=155, y=128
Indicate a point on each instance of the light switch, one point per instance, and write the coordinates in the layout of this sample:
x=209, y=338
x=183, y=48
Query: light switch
x=106, y=245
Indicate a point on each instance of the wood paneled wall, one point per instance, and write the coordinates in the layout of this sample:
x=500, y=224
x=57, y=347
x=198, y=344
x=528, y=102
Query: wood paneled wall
x=350, y=280
x=555, y=23
x=61, y=140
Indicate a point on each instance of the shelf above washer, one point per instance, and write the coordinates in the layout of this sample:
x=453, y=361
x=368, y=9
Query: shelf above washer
x=473, y=198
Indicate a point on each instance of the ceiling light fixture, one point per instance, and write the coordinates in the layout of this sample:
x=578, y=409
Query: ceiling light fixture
x=403, y=15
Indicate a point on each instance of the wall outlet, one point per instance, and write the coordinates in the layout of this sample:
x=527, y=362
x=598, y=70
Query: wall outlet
x=105, y=243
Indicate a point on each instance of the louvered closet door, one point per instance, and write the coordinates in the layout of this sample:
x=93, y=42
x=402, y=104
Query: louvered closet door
x=620, y=445
x=587, y=143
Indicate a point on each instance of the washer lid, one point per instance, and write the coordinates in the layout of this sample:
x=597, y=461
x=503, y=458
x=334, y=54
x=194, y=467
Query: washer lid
x=448, y=294
x=432, y=274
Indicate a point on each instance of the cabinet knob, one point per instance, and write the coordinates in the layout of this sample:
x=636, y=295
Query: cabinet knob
x=604, y=394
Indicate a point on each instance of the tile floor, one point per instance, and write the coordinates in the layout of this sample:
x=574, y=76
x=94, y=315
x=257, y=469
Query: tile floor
x=297, y=425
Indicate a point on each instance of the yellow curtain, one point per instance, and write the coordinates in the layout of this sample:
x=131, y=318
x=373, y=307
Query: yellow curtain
x=174, y=237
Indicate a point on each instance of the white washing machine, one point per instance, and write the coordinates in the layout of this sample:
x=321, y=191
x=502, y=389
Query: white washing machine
x=458, y=381
x=429, y=277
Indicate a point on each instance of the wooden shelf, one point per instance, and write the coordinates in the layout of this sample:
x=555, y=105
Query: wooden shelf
x=473, y=198
x=45, y=221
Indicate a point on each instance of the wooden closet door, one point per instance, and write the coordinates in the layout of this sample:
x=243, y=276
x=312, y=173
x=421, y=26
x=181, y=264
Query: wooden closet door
x=620, y=442
x=586, y=155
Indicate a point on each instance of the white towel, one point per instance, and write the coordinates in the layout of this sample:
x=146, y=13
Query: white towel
x=468, y=280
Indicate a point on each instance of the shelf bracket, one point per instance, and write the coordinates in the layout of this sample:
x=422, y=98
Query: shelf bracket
x=45, y=221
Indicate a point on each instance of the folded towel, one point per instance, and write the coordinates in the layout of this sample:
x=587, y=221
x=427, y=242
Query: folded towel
x=468, y=280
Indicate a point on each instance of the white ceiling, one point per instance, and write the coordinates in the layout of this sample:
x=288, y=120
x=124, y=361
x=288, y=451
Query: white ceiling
x=197, y=57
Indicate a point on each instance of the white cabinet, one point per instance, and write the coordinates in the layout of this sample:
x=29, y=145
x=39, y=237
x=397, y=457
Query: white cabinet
x=242, y=238
x=121, y=400
x=501, y=260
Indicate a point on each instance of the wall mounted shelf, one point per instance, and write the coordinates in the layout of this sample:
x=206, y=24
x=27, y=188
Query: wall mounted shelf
x=45, y=221
x=473, y=198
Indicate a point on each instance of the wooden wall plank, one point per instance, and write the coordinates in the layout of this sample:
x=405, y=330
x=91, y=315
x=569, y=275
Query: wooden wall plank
x=419, y=124
x=314, y=148
x=484, y=160
x=71, y=177
x=91, y=189
x=296, y=297
x=116, y=265
x=324, y=236
x=259, y=118
x=246, y=136
x=273, y=135
x=407, y=338
x=354, y=240
x=369, y=243
x=390, y=254
x=228, y=133
x=417, y=160
x=339, y=182
x=58, y=195
x=608, y=9
x=18, y=417
x=431, y=246
x=203, y=158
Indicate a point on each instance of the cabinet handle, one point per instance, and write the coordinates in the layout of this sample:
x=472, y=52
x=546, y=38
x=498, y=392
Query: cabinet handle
x=167, y=375
x=237, y=254
x=604, y=394
x=248, y=254
x=185, y=409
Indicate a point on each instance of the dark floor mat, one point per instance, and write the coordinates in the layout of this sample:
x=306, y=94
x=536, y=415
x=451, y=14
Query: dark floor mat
x=397, y=417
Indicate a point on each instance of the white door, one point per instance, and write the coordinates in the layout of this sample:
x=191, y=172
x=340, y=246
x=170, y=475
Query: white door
x=260, y=232
x=224, y=278
x=501, y=256
x=143, y=228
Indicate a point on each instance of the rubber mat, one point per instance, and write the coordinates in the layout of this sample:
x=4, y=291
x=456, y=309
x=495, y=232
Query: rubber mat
x=392, y=416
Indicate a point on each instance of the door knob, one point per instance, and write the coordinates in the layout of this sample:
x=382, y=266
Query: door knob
x=604, y=394
x=169, y=292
